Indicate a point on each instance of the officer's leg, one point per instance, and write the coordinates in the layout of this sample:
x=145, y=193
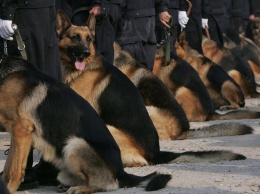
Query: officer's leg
x=150, y=50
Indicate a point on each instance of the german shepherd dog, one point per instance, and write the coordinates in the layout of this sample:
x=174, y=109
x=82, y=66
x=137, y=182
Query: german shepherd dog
x=223, y=90
x=167, y=115
x=39, y=111
x=115, y=98
x=255, y=30
x=190, y=92
x=251, y=52
x=248, y=50
x=234, y=64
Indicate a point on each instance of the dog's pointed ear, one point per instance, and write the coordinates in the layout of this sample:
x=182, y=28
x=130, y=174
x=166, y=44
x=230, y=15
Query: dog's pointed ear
x=182, y=38
x=62, y=22
x=91, y=23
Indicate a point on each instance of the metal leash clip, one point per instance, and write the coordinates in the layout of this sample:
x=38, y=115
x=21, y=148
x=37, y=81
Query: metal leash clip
x=19, y=40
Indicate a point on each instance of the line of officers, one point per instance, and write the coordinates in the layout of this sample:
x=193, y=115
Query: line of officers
x=138, y=25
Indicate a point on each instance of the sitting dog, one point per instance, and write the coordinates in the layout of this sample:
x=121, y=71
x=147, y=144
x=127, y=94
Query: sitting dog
x=115, y=98
x=234, y=64
x=167, y=115
x=39, y=111
x=254, y=26
x=223, y=90
x=190, y=92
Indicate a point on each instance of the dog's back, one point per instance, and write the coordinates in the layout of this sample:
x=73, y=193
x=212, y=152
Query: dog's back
x=64, y=128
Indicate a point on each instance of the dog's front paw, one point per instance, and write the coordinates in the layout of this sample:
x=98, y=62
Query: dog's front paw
x=223, y=108
x=62, y=188
x=80, y=190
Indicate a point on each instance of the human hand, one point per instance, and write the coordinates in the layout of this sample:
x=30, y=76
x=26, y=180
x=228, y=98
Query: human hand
x=205, y=23
x=96, y=10
x=165, y=18
x=6, y=30
x=252, y=17
x=183, y=18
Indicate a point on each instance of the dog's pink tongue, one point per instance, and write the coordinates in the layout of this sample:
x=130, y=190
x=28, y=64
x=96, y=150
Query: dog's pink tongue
x=79, y=65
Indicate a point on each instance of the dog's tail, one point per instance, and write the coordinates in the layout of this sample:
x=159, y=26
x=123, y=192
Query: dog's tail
x=199, y=156
x=222, y=129
x=236, y=114
x=150, y=182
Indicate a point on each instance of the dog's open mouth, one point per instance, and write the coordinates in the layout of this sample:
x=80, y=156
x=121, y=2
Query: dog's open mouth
x=78, y=58
x=79, y=64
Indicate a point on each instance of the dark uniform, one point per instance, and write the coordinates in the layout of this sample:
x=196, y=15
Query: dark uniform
x=64, y=6
x=193, y=28
x=106, y=24
x=254, y=9
x=235, y=19
x=136, y=29
x=215, y=11
x=36, y=20
x=173, y=8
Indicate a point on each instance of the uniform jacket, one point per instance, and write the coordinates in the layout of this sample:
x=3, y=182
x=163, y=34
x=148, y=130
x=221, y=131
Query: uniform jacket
x=10, y=6
x=254, y=7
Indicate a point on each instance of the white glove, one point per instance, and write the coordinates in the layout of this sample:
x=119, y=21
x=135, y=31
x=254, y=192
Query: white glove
x=205, y=23
x=6, y=30
x=183, y=18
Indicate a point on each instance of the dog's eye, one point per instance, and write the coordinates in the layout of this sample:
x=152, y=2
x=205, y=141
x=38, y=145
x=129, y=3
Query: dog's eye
x=89, y=39
x=75, y=37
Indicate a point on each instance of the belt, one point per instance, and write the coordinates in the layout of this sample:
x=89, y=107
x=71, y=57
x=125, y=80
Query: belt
x=139, y=13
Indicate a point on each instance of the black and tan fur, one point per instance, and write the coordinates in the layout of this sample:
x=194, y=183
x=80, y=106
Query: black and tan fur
x=114, y=97
x=255, y=30
x=248, y=50
x=39, y=111
x=224, y=92
x=234, y=64
x=189, y=90
x=251, y=52
x=167, y=115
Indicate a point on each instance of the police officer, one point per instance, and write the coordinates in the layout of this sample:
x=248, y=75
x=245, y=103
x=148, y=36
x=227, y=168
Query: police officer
x=213, y=17
x=36, y=20
x=136, y=28
x=64, y=6
x=173, y=10
x=254, y=11
x=107, y=13
x=254, y=8
x=193, y=28
x=234, y=19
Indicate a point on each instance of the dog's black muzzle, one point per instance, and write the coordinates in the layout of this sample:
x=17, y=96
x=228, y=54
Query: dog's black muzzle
x=77, y=53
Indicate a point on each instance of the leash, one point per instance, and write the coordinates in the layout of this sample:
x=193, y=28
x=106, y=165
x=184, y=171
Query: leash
x=167, y=46
x=19, y=40
x=207, y=32
x=189, y=8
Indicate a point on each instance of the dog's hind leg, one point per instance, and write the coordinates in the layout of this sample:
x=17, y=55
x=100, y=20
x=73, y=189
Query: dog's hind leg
x=67, y=180
x=21, y=140
x=232, y=95
x=89, y=172
x=131, y=154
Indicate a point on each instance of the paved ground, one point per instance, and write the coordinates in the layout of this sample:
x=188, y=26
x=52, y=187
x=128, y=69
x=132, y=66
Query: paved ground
x=235, y=177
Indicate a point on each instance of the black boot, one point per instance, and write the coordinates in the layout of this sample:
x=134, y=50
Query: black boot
x=3, y=187
x=46, y=173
